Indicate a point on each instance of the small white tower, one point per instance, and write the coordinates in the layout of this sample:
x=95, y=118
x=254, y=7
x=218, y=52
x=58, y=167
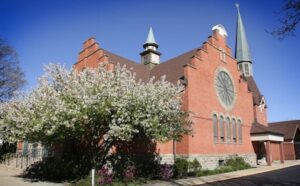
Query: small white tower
x=150, y=56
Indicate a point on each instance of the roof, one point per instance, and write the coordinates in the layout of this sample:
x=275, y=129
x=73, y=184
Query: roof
x=252, y=87
x=288, y=128
x=258, y=128
x=173, y=68
x=140, y=70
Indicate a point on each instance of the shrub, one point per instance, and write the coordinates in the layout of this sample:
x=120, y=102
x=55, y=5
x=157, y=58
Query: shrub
x=237, y=163
x=204, y=172
x=194, y=167
x=232, y=164
x=181, y=167
x=129, y=173
x=146, y=164
x=106, y=176
x=166, y=171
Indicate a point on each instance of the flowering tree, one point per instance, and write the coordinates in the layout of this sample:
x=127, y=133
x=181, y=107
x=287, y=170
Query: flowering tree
x=98, y=107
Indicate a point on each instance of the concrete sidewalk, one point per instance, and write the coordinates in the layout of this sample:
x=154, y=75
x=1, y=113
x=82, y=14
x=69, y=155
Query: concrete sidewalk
x=10, y=177
x=225, y=176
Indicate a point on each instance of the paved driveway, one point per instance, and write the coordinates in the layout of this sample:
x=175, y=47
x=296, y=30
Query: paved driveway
x=287, y=177
x=9, y=177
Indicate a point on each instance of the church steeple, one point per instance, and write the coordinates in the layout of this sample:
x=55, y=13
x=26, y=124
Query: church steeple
x=150, y=38
x=242, y=52
x=150, y=56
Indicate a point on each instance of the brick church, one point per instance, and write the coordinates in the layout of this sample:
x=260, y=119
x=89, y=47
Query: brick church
x=228, y=110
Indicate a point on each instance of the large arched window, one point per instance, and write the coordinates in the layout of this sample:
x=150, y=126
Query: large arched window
x=222, y=129
x=215, y=127
x=234, y=131
x=228, y=129
x=240, y=131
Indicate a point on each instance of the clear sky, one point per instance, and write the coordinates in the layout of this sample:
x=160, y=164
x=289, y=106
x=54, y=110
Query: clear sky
x=44, y=31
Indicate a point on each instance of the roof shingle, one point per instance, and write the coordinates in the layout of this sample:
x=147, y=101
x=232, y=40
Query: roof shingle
x=258, y=128
x=288, y=128
x=257, y=96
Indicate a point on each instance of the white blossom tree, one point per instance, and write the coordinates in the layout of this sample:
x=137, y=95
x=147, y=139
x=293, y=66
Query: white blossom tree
x=98, y=107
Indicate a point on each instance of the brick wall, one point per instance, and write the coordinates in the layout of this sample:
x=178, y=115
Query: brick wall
x=289, y=151
x=201, y=98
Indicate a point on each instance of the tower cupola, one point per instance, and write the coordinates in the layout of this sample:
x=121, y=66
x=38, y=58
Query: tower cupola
x=150, y=56
x=242, y=52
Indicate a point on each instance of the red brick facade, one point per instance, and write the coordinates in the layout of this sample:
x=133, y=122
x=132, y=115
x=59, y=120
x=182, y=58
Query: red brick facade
x=200, y=97
x=198, y=70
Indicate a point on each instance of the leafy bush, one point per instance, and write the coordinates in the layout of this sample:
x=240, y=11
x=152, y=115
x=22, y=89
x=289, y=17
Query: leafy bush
x=232, y=164
x=181, y=167
x=237, y=163
x=106, y=175
x=204, y=172
x=218, y=170
x=129, y=173
x=194, y=167
x=166, y=171
x=146, y=165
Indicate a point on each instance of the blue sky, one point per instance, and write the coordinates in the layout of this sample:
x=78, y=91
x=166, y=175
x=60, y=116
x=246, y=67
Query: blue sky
x=44, y=31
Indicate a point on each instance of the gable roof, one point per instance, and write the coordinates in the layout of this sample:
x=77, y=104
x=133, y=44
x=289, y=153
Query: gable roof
x=258, y=128
x=252, y=87
x=288, y=128
x=140, y=70
x=173, y=68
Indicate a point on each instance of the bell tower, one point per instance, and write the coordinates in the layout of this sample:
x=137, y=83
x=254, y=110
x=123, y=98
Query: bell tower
x=150, y=56
x=242, y=52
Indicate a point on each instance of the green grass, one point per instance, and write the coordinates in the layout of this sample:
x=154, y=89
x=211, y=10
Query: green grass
x=87, y=182
x=220, y=170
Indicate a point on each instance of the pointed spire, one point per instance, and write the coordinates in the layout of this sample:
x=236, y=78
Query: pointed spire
x=150, y=38
x=242, y=52
x=150, y=56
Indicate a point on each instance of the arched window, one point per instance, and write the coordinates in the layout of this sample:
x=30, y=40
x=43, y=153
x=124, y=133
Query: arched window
x=234, y=131
x=228, y=129
x=215, y=127
x=240, y=131
x=222, y=129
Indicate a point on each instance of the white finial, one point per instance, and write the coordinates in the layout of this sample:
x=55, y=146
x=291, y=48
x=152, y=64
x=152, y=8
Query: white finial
x=237, y=5
x=221, y=29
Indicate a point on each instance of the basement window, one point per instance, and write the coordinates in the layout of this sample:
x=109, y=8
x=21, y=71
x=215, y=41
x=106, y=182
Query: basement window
x=221, y=162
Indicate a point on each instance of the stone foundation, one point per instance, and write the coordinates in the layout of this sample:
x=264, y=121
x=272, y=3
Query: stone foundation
x=210, y=161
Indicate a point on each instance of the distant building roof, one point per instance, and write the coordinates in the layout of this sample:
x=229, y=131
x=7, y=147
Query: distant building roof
x=258, y=128
x=288, y=128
